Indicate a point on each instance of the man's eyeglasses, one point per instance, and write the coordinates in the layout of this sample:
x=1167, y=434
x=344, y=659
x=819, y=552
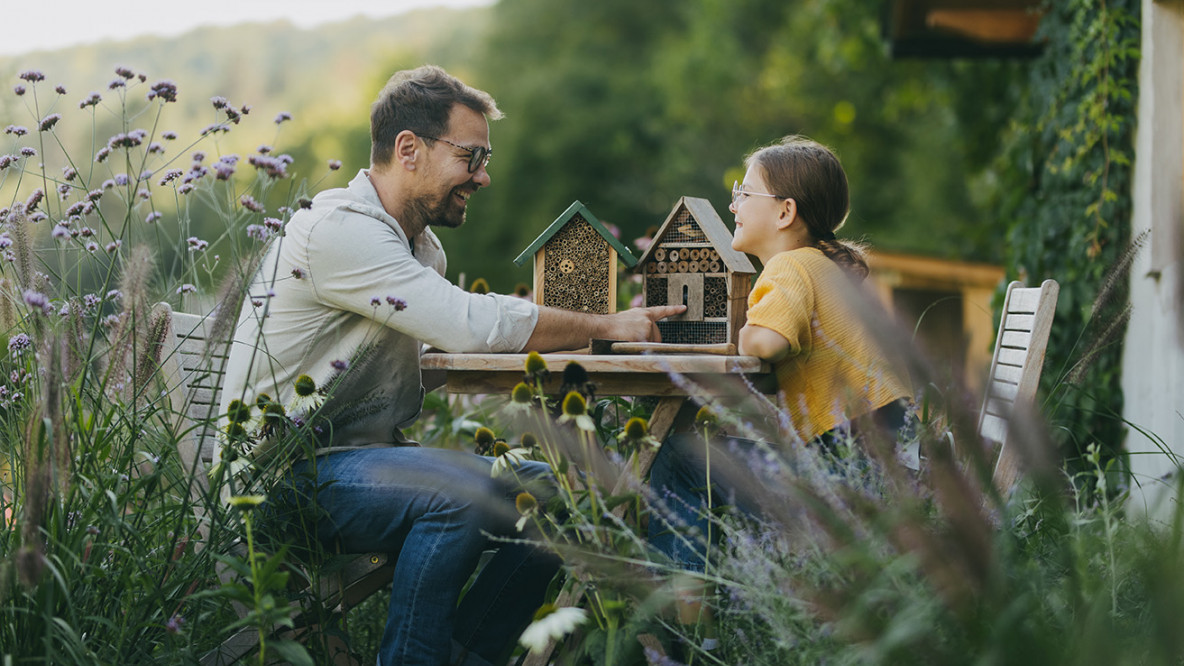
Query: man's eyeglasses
x=478, y=155
x=738, y=194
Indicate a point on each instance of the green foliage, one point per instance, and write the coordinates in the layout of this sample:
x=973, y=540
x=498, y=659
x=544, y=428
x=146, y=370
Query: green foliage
x=1068, y=172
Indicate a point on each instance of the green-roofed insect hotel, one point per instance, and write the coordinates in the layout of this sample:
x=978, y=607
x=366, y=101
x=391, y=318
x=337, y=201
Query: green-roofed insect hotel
x=691, y=261
x=575, y=263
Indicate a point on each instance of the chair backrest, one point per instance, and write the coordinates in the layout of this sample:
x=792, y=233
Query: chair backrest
x=1015, y=370
x=193, y=366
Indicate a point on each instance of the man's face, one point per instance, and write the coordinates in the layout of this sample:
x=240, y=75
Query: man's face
x=447, y=181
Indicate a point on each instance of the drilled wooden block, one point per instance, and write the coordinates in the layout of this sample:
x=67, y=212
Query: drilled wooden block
x=655, y=291
x=715, y=297
x=577, y=266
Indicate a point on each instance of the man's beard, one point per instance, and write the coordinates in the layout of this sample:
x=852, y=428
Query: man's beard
x=441, y=212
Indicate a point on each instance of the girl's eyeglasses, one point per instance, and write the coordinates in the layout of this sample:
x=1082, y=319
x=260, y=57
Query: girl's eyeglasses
x=479, y=156
x=738, y=194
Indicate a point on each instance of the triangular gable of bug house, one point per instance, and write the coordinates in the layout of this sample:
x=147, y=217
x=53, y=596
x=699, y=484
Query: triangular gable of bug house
x=691, y=262
x=575, y=263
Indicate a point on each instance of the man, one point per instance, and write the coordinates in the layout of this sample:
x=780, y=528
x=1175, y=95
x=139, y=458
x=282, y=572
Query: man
x=348, y=295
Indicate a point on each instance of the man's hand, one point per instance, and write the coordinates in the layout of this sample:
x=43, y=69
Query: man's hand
x=639, y=324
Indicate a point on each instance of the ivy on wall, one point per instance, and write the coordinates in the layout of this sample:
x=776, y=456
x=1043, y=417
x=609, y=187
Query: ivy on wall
x=1070, y=208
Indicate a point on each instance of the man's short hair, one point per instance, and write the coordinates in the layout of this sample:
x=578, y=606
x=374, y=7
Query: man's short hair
x=420, y=100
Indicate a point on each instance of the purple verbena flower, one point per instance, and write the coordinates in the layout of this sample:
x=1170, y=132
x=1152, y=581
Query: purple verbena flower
x=155, y=147
x=114, y=295
x=264, y=149
x=297, y=273
x=258, y=232
x=175, y=624
x=339, y=365
x=375, y=302
x=116, y=83
x=91, y=301
x=154, y=217
x=125, y=72
x=251, y=204
x=6, y=161
x=219, y=102
x=94, y=195
x=37, y=301
x=196, y=244
x=19, y=90
x=273, y=225
x=102, y=154
x=168, y=135
x=282, y=116
x=334, y=165
x=170, y=175
x=60, y=89
x=32, y=76
x=60, y=232
x=91, y=100
x=273, y=166
x=397, y=303
x=304, y=203
x=186, y=289
x=34, y=200
x=215, y=128
x=113, y=246
x=29, y=151
x=18, y=130
x=18, y=343
x=48, y=122
x=165, y=90
x=69, y=173
x=64, y=191
x=92, y=247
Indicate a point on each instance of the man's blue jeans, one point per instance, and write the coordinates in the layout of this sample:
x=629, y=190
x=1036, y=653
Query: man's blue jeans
x=434, y=508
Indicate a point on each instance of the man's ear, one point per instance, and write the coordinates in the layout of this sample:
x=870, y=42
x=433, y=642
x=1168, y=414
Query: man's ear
x=789, y=213
x=406, y=149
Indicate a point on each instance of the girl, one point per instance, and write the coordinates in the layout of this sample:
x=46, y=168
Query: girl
x=803, y=317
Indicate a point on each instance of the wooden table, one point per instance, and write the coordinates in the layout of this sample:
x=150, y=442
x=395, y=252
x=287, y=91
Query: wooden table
x=612, y=374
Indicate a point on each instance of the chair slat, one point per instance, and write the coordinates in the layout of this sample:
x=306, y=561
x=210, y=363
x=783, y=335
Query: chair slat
x=993, y=428
x=1009, y=373
x=1004, y=390
x=1025, y=300
x=1012, y=357
x=1016, y=339
x=1019, y=322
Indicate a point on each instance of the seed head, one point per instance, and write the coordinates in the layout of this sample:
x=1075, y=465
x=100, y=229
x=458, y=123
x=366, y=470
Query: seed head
x=500, y=448
x=525, y=503
x=305, y=386
x=574, y=404
x=239, y=411
x=483, y=437
x=479, y=286
x=535, y=365
x=636, y=428
x=522, y=394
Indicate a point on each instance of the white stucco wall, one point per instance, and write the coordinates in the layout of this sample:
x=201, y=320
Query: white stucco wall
x=1153, y=354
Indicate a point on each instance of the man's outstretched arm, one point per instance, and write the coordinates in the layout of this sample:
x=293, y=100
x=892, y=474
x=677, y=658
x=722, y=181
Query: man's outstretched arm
x=562, y=329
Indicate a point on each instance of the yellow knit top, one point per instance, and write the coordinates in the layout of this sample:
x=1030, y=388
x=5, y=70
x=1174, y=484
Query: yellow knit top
x=835, y=370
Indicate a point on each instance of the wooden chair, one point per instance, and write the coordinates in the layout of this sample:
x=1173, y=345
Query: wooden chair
x=1015, y=372
x=194, y=366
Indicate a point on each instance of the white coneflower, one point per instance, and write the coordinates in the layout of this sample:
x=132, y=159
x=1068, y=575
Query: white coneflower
x=307, y=399
x=506, y=458
x=526, y=505
x=551, y=623
x=521, y=400
x=575, y=408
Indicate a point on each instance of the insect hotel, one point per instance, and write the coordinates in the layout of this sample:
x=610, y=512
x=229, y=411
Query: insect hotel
x=575, y=263
x=691, y=262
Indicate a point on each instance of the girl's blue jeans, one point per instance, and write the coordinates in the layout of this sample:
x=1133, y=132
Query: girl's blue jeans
x=432, y=510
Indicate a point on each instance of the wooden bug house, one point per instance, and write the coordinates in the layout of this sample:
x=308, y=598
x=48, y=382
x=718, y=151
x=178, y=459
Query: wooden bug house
x=691, y=262
x=575, y=263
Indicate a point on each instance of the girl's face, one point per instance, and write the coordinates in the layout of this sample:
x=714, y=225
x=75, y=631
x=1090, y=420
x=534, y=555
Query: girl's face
x=757, y=212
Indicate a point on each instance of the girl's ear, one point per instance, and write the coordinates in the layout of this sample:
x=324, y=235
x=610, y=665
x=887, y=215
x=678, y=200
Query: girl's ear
x=406, y=149
x=789, y=214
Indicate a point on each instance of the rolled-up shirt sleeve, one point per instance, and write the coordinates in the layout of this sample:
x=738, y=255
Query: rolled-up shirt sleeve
x=376, y=268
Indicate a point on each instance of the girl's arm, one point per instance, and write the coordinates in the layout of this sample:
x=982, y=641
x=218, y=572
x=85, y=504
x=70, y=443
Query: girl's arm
x=763, y=342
